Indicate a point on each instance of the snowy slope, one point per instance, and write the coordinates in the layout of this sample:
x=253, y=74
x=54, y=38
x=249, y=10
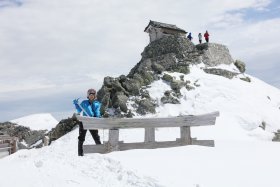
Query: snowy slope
x=243, y=106
x=243, y=156
x=58, y=165
x=37, y=121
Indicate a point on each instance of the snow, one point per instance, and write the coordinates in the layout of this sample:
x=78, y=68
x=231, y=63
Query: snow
x=243, y=156
x=44, y=121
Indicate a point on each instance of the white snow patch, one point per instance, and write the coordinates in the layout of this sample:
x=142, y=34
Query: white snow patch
x=44, y=121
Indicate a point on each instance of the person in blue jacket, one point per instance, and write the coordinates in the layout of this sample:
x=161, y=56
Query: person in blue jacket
x=91, y=108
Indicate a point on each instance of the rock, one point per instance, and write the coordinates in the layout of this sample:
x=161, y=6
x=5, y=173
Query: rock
x=247, y=79
x=189, y=87
x=157, y=68
x=221, y=72
x=119, y=100
x=167, y=78
x=132, y=86
x=182, y=77
x=169, y=98
x=145, y=94
x=122, y=78
x=276, y=137
x=176, y=85
x=147, y=77
x=62, y=128
x=146, y=106
x=214, y=54
x=167, y=45
x=183, y=68
x=240, y=65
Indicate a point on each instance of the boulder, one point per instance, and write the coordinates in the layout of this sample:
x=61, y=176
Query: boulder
x=146, y=106
x=214, y=54
x=240, y=66
x=167, y=78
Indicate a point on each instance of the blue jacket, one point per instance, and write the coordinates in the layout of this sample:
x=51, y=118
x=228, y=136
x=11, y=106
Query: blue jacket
x=92, y=109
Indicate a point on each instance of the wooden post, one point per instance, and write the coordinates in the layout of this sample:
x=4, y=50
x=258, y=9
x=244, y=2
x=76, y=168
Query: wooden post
x=113, y=142
x=46, y=141
x=150, y=134
x=14, y=145
x=186, y=134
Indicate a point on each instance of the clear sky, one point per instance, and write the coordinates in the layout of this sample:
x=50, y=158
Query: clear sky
x=53, y=51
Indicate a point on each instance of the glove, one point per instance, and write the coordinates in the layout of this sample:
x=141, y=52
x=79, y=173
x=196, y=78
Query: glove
x=76, y=101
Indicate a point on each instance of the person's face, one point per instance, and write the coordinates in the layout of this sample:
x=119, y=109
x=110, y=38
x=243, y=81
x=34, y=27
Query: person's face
x=91, y=96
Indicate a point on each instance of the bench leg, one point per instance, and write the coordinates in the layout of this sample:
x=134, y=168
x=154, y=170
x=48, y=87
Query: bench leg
x=186, y=134
x=113, y=143
x=150, y=134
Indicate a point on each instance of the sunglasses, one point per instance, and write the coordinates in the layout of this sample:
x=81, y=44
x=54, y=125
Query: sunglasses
x=92, y=93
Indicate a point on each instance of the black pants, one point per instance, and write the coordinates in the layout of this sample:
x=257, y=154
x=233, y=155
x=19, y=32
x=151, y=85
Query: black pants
x=82, y=135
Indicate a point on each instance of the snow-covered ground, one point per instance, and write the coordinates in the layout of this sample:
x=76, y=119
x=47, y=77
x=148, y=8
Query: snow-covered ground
x=44, y=121
x=243, y=156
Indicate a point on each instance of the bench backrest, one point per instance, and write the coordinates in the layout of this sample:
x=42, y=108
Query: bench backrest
x=120, y=123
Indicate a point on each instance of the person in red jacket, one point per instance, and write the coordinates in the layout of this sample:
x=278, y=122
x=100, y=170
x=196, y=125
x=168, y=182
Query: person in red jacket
x=206, y=36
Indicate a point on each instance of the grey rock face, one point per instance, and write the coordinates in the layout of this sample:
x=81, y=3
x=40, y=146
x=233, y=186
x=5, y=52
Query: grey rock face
x=167, y=45
x=214, y=54
x=221, y=72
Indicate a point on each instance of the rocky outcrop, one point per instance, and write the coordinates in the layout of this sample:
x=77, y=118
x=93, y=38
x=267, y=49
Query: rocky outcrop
x=172, y=54
x=34, y=138
x=220, y=72
x=62, y=128
x=27, y=137
x=214, y=54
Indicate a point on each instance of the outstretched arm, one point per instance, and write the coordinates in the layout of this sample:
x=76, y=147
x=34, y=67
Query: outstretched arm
x=77, y=106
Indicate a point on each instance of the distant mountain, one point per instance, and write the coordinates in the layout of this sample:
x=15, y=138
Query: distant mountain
x=44, y=121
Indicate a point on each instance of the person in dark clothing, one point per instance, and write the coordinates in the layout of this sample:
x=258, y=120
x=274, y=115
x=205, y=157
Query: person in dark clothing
x=200, y=38
x=89, y=107
x=190, y=36
x=206, y=36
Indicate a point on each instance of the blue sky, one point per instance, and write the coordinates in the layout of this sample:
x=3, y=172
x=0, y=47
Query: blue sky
x=53, y=51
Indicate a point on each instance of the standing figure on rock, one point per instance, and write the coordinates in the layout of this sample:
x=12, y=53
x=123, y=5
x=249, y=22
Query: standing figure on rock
x=190, y=36
x=91, y=108
x=206, y=36
x=200, y=38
